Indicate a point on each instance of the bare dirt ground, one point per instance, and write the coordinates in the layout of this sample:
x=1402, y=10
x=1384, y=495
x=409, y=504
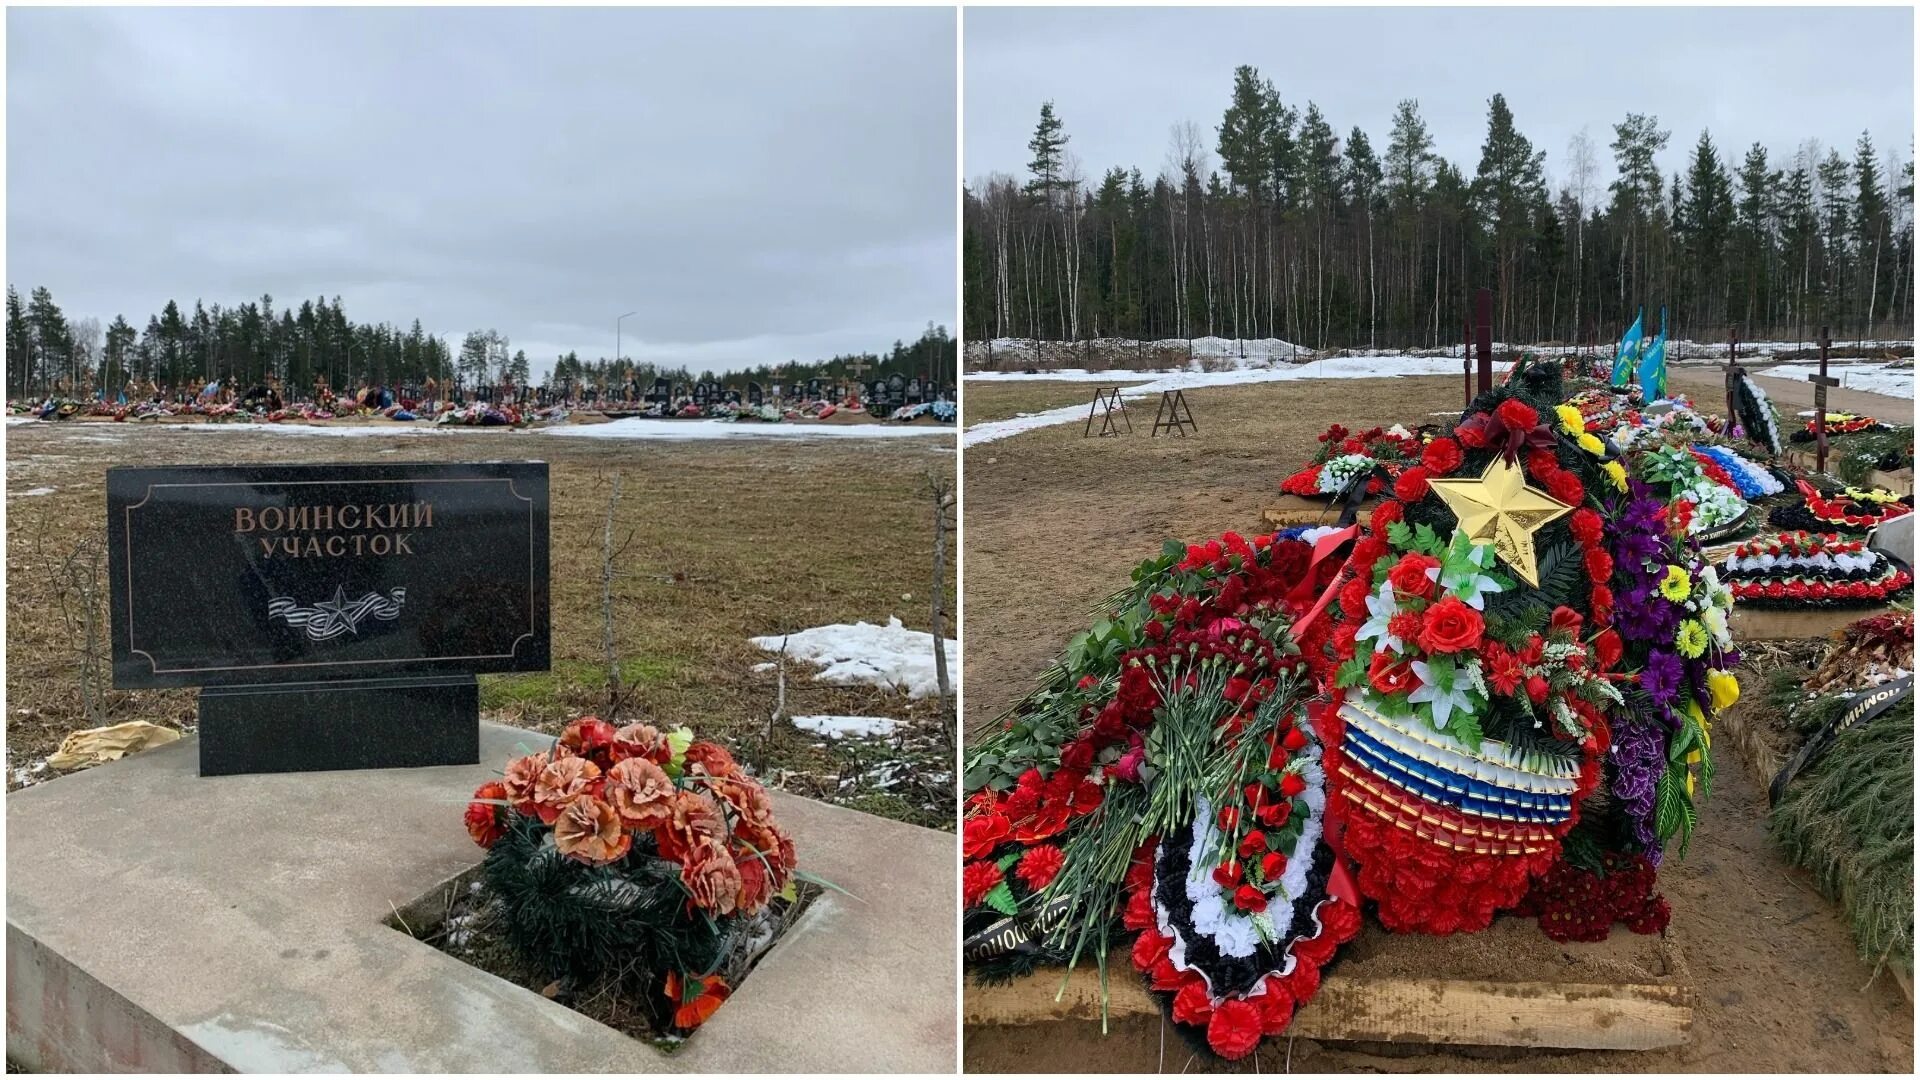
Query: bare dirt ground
x=1707, y=387
x=1054, y=522
x=731, y=540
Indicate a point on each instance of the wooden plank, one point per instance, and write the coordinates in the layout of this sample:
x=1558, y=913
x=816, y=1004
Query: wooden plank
x=1810, y=624
x=1583, y=1016
x=1289, y=511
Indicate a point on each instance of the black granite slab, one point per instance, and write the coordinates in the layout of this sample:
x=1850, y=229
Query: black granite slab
x=238, y=575
x=353, y=724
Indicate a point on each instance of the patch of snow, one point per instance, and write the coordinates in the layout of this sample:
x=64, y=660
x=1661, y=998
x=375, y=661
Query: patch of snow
x=639, y=428
x=37, y=491
x=1366, y=366
x=1893, y=382
x=841, y=727
x=862, y=654
x=12, y=420
x=757, y=668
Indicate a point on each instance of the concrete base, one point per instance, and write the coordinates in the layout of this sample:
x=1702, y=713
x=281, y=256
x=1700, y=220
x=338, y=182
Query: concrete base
x=158, y=921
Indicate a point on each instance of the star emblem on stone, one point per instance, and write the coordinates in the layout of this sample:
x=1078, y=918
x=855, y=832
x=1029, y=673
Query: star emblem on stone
x=1498, y=508
x=340, y=609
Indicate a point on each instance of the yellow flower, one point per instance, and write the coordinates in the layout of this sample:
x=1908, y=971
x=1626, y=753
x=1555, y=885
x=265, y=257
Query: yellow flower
x=1617, y=473
x=1691, y=640
x=1689, y=785
x=1571, y=421
x=1723, y=688
x=1591, y=444
x=1677, y=584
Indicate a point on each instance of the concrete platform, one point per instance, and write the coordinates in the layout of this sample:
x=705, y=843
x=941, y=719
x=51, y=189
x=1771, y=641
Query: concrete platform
x=158, y=921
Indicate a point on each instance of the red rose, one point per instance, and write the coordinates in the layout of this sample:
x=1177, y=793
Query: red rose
x=1517, y=414
x=1411, y=485
x=1038, y=866
x=1248, y=898
x=1537, y=689
x=1294, y=739
x=1599, y=566
x=1227, y=874
x=982, y=834
x=1234, y=1030
x=1409, y=576
x=1441, y=457
x=1450, y=627
x=1253, y=843
x=977, y=880
x=1566, y=487
x=1272, y=865
x=1390, y=674
x=1192, y=1005
x=1275, y=815
x=1291, y=785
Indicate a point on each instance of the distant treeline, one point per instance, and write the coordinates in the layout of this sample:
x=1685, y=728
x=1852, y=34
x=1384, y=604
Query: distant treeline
x=1304, y=235
x=247, y=343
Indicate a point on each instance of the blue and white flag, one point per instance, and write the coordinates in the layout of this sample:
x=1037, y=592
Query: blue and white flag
x=1629, y=353
x=1653, y=365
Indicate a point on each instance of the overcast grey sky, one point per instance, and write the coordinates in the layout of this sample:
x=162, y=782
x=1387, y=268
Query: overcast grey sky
x=1120, y=79
x=761, y=185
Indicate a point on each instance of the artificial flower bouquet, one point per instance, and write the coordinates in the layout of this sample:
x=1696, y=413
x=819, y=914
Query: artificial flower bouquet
x=1378, y=455
x=636, y=857
x=1848, y=510
x=1839, y=424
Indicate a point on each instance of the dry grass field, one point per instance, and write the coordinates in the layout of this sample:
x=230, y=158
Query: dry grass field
x=1054, y=523
x=730, y=540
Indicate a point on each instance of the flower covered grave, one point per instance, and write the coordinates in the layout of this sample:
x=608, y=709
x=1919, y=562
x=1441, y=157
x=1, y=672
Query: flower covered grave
x=1495, y=693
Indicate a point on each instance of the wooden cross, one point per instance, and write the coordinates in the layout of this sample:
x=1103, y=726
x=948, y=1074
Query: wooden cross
x=859, y=367
x=1106, y=402
x=1820, y=383
x=1734, y=371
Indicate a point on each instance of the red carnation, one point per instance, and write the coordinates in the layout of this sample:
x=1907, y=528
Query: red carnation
x=1353, y=596
x=1441, y=457
x=1450, y=627
x=1601, y=602
x=1369, y=550
x=1517, y=415
x=1599, y=566
x=1607, y=649
x=1039, y=866
x=1234, y=1030
x=1276, y=1007
x=977, y=880
x=1248, y=898
x=1587, y=526
x=1409, y=576
x=1386, y=514
x=486, y=821
x=1192, y=1005
x=1150, y=949
x=1473, y=436
x=1411, y=485
x=1566, y=487
x=1405, y=625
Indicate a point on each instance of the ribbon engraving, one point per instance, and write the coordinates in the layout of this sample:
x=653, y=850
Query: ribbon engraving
x=329, y=619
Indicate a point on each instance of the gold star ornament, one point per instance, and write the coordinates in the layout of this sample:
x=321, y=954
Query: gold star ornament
x=1499, y=508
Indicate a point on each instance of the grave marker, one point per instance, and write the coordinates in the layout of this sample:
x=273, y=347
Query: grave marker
x=334, y=614
x=1820, y=383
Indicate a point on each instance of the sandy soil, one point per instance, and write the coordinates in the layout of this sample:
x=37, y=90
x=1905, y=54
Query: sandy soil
x=730, y=540
x=1055, y=521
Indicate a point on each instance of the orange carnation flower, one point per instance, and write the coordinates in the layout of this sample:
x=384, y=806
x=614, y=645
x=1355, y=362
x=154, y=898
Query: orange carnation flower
x=588, y=830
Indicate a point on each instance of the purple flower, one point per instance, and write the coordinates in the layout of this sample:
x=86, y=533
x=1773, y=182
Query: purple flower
x=1662, y=677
